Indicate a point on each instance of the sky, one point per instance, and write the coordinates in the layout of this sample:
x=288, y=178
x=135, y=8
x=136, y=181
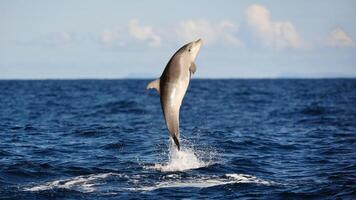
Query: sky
x=112, y=39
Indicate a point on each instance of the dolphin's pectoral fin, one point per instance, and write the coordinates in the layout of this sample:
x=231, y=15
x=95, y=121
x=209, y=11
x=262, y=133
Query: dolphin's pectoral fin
x=154, y=84
x=193, y=68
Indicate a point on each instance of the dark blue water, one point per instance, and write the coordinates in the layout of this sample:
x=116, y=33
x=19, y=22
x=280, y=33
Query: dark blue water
x=252, y=139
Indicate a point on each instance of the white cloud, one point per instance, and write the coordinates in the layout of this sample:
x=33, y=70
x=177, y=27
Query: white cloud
x=339, y=38
x=143, y=33
x=212, y=34
x=133, y=32
x=274, y=34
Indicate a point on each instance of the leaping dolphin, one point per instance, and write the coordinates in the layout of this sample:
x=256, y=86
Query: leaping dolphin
x=173, y=84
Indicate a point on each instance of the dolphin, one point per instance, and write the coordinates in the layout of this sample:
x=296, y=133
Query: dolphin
x=173, y=84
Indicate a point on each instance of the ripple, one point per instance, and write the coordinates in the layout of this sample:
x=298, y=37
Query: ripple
x=314, y=110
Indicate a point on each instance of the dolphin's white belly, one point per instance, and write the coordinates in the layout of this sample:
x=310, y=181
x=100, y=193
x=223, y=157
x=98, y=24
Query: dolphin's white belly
x=177, y=91
x=173, y=97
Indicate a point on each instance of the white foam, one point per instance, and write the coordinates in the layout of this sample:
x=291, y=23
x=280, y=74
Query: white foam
x=98, y=183
x=243, y=178
x=79, y=183
x=206, y=181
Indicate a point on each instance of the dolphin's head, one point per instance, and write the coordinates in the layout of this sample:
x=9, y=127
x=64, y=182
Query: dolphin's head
x=191, y=50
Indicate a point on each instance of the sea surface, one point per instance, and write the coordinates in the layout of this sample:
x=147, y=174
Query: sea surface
x=245, y=139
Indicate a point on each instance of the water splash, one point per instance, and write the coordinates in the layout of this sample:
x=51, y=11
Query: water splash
x=186, y=159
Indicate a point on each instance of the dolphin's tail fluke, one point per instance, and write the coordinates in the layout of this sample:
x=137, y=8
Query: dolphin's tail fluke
x=176, y=141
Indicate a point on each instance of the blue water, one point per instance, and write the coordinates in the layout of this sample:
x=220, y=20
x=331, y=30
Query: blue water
x=246, y=139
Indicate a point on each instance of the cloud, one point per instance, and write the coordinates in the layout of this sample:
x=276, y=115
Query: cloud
x=339, y=38
x=133, y=32
x=143, y=33
x=212, y=34
x=223, y=32
x=274, y=34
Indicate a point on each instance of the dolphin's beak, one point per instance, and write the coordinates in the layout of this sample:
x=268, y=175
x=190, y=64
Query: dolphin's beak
x=199, y=41
x=196, y=47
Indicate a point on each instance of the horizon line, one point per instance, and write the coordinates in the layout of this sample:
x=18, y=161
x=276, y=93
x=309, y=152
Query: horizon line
x=150, y=78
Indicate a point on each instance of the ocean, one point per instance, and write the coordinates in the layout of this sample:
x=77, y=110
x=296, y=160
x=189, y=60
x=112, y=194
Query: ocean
x=241, y=139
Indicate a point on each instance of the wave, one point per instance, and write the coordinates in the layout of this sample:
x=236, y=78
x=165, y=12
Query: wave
x=84, y=184
x=207, y=181
x=103, y=182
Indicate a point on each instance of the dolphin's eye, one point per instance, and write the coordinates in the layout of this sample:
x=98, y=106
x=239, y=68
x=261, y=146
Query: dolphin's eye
x=189, y=50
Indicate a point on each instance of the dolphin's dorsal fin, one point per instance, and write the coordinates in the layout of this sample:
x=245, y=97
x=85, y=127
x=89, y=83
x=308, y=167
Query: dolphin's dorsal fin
x=154, y=84
x=193, y=68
